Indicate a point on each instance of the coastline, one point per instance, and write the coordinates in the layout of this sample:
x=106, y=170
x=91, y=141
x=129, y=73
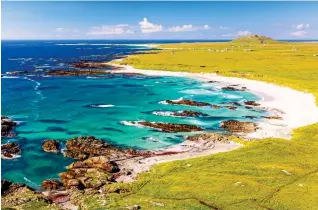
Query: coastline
x=296, y=108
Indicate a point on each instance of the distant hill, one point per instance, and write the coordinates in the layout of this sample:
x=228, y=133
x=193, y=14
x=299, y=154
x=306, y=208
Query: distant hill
x=255, y=39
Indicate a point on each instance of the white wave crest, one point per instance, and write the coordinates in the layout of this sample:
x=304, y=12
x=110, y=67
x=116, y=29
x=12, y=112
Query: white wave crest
x=9, y=77
x=102, y=105
x=163, y=113
x=199, y=92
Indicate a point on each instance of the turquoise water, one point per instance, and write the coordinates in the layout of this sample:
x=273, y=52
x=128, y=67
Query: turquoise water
x=65, y=107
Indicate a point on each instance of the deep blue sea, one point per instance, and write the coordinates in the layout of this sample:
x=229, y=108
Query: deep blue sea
x=64, y=107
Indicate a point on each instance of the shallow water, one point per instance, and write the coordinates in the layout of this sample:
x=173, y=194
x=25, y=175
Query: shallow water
x=65, y=107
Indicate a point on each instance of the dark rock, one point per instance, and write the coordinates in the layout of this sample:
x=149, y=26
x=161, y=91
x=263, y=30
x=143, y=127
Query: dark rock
x=170, y=127
x=250, y=117
x=189, y=113
x=251, y=103
x=51, y=184
x=76, y=72
x=85, y=147
x=51, y=146
x=87, y=64
x=188, y=103
x=230, y=107
x=231, y=88
x=6, y=126
x=213, y=137
x=239, y=127
x=10, y=150
x=134, y=207
x=273, y=117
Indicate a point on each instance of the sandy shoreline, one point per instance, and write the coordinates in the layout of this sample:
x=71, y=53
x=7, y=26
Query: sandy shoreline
x=296, y=108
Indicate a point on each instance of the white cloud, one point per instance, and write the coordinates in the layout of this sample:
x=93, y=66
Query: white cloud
x=243, y=33
x=182, y=28
x=206, y=27
x=188, y=27
x=301, y=26
x=110, y=30
x=148, y=27
x=299, y=33
x=63, y=30
x=224, y=28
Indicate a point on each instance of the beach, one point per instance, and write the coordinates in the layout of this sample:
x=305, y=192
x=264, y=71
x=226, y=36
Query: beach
x=296, y=109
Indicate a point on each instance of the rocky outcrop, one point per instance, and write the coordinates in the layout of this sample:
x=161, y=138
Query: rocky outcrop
x=76, y=72
x=197, y=103
x=13, y=194
x=91, y=173
x=189, y=113
x=6, y=126
x=10, y=150
x=239, y=127
x=187, y=102
x=169, y=127
x=211, y=137
x=232, y=88
x=251, y=103
x=84, y=147
x=51, y=146
x=51, y=184
x=273, y=117
x=90, y=64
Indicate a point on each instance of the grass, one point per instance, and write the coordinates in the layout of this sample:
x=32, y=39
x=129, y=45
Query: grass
x=289, y=64
x=265, y=174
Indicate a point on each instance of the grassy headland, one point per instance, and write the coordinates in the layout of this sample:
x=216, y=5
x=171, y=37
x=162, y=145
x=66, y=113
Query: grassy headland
x=265, y=174
x=289, y=64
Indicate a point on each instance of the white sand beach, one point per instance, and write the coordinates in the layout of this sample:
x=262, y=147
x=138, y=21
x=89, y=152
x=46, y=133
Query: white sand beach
x=296, y=108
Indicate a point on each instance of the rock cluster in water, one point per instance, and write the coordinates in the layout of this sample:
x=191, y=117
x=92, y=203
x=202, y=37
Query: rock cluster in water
x=189, y=113
x=232, y=88
x=238, y=126
x=7, y=126
x=51, y=146
x=251, y=103
x=89, y=64
x=197, y=103
x=10, y=150
x=169, y=127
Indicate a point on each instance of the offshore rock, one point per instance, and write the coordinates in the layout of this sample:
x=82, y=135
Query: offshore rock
x=10, y=150
x=51, y=146
x=239, y=127
x=6, y=126
x=170, y=127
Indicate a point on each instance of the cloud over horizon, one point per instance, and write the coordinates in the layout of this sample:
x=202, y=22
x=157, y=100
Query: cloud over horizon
x=148, y=27
x=110, y=30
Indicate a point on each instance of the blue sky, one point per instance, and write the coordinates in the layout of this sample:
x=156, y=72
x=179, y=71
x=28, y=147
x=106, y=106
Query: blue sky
x=158, y=20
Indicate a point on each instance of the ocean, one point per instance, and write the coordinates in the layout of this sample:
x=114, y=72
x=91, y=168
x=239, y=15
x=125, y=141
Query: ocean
x=61, y=108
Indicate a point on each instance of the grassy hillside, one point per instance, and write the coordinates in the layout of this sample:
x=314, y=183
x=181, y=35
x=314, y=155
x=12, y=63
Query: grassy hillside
x=290, y=64
x=255, y=39
x=265, y=174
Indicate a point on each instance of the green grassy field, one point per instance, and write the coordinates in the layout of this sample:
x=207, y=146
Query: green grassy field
x=264, y=174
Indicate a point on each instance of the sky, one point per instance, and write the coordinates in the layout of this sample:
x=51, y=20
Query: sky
x=158, y=20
